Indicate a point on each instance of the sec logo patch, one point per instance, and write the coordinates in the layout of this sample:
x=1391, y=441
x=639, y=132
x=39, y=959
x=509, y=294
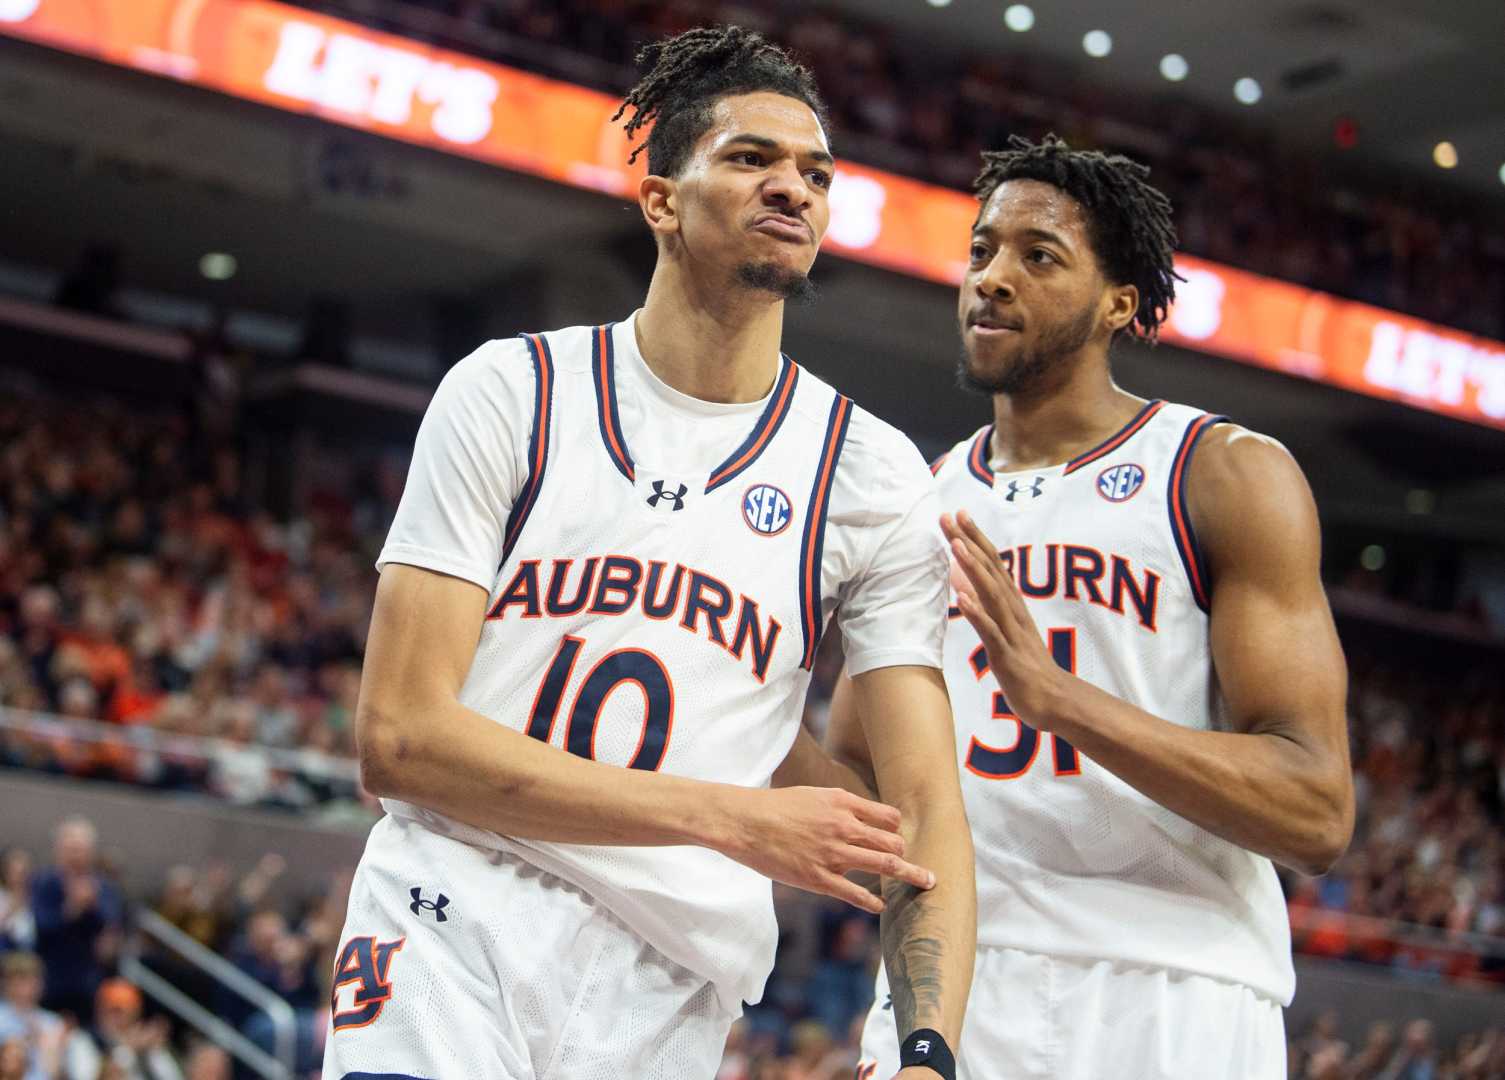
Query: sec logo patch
x=766, y=510
x=1118, y=483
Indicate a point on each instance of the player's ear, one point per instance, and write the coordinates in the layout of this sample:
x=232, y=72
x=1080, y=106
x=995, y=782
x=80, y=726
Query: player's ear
x=658, y=200
x=1123, y=303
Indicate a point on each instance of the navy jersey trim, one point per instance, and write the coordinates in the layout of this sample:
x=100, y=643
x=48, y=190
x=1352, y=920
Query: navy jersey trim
x=977, y=456
x=939, y=463
x=1192, y=558
x=812, y=544
x=379, y=1076
x=1113, y=442
x=763, y=432
x=538, y=441
x=604, y=375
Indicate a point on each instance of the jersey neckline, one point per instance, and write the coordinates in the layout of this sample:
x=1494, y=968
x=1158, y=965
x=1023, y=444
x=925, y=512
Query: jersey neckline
x=604, y=377
x=980, y=452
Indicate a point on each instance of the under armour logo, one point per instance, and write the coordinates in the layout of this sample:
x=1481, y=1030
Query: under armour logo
x=1015, y=488
x=420, y=905
x=660, y=493
x=922, y=1046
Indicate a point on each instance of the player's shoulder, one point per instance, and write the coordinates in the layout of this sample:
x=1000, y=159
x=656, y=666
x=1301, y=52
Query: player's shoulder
x=1244, y=489
x=1230, y=454
x=491, y=367
x=874, y=451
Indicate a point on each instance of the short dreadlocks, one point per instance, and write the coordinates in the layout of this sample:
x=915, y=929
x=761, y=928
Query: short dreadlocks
x=1128, y=221
x=689, y=73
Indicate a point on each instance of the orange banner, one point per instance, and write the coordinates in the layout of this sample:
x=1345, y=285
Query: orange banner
x=303, y=62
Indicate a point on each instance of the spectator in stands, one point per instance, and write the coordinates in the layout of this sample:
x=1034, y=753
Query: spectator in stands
x=79, y=915
x=259, y=953
x=21, y=1016
x=1416, y=1057
x=13, y=1059
x=137, y=1046
x=842, y=985
x=18, y=925
x=1378, y=1048
x=207, y=1062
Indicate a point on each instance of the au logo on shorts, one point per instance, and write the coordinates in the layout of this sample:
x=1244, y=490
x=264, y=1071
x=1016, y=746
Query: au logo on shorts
x=364, y=963
x=766, y=510
x=1118, y=483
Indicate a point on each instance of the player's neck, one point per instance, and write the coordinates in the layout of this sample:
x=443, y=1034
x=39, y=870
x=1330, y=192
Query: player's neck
x=1054, y=424
x=713, y=342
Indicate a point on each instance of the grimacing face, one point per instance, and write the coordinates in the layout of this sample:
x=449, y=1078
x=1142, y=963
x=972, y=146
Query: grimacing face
x=1033, y=292
x=753, y=200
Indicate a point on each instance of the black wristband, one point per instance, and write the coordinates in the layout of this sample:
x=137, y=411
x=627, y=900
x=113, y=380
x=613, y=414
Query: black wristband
x=928, y=1047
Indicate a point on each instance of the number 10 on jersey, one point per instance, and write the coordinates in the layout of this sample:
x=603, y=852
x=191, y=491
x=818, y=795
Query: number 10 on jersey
x=993, y=763
x=636, y=666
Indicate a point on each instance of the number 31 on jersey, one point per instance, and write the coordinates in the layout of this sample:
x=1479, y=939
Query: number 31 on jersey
x=993, y=763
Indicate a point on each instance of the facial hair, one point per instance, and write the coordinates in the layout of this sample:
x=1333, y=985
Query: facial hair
x=1031, y=367
x=770, y=277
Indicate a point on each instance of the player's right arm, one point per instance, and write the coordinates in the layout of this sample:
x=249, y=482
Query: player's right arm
x=420, y=744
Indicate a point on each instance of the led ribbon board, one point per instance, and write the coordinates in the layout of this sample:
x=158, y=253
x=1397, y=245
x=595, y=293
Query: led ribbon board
x=303, y=62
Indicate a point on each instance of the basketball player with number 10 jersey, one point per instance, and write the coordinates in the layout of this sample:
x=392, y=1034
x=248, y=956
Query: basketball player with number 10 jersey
x=599, y=608
x=1147, y=687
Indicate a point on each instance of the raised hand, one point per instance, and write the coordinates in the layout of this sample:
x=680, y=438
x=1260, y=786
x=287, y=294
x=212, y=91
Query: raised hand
x=988, y=598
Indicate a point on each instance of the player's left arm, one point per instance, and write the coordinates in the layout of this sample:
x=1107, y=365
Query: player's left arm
x=929, y=938
x=893, y=620
x=1278, y=781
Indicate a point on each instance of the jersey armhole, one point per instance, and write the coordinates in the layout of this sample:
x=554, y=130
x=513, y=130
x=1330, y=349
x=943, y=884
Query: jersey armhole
x=1193, y=560
x=542, y=358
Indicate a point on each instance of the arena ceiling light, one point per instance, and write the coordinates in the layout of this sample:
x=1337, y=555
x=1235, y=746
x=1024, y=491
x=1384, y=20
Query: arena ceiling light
x=1097, y=43
x=218, y=265
x=1502, y=174
x=939, y=3
x=1445, y=154
x=1019, y=17
x=1248, y=90
x=1174, y=67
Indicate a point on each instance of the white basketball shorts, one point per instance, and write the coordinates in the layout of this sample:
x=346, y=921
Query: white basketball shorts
x=1032, y=1015
x=461, y=963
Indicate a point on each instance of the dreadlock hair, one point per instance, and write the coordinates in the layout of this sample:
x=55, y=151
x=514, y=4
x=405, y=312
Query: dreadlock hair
x=1128, y=221
x=689, y=73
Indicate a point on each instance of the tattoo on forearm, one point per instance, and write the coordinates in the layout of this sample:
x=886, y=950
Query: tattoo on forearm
x=912, y=955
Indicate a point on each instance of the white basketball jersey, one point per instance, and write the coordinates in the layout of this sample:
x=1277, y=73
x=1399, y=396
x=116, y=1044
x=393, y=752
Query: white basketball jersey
x=1071, y=860
x=665, y=616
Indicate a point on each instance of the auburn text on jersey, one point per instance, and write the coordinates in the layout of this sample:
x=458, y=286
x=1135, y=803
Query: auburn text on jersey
x=616, y=584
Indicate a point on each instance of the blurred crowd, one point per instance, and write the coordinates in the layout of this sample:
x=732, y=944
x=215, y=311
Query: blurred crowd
x=1429, y=849
x=1409, y=1051
x=67, y=1014
x=145, y=587
x=906, y=105
x=140, y=587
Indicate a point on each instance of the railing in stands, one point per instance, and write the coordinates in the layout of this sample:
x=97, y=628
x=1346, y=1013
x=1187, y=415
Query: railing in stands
x=278, y=1065
x=1453, y=955
x=142, y=753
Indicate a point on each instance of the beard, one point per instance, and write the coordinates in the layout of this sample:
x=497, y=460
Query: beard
x=1034, y=364
x=770, y=277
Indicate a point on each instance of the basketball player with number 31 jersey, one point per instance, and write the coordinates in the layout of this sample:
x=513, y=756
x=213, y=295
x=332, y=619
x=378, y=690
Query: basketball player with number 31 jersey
x=1147, y=688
